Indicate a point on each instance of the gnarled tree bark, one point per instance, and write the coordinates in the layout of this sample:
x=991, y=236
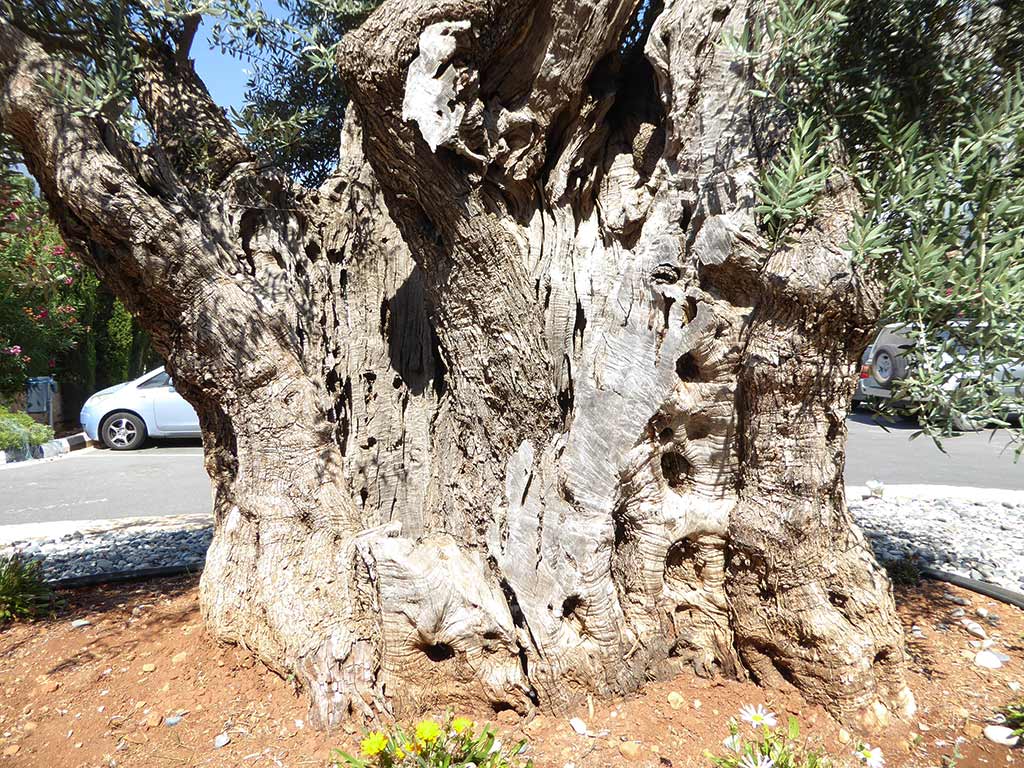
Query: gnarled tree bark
x=521, y=405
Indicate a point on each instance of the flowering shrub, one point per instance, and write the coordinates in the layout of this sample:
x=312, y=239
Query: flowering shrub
x=760, y=743
x=455, y=743
x=40, y=291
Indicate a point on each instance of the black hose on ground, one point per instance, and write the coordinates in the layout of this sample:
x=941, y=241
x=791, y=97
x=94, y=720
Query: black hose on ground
x=120, y=577
x=981, y=587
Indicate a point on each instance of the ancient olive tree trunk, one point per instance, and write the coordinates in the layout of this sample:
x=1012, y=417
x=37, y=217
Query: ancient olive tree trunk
x=521, y=405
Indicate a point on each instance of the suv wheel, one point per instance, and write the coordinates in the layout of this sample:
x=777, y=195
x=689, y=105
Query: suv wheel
x=123, y=431
x=888, y=366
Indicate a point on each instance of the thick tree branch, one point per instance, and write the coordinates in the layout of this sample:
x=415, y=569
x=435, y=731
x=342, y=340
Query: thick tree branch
x=202, y=145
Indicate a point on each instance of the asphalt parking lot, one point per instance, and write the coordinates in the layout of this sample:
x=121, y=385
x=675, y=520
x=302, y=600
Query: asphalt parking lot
x=164, y=478
x=167, y=478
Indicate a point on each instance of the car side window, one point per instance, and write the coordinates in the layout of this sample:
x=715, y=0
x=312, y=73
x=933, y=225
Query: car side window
x=162, y=379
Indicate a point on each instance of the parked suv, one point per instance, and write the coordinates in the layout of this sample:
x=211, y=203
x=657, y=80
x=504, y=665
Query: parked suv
x=122, y=416
x=884, y=363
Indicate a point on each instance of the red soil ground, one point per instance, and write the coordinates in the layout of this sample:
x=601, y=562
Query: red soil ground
x=99, y=695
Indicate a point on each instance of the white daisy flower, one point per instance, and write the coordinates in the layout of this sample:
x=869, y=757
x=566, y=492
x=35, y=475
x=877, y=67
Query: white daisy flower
x=872, y=758
x=758, y=716
x=733, y=742
x=761, y=761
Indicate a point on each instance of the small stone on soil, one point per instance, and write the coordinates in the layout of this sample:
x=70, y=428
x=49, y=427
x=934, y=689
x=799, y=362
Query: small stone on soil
x=222, y=740
x=1000, y=734
x=988, y=660
x=630, y=749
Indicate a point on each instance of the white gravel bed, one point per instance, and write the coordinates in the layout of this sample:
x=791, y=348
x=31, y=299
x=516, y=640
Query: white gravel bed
x=117, y=545
x=975, y=534
x=982, y=539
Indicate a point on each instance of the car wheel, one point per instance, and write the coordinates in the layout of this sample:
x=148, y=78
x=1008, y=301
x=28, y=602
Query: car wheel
x=123, y=431
x=888, y=366
x=963, y=424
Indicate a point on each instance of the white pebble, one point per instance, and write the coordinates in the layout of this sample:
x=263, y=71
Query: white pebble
x=1000, y=734
x=988, y=660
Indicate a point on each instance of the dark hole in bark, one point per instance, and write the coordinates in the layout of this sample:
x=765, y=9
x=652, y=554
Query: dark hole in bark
x=669, y=301
x=666, y=274
x=440, y=369
x=682, y=562
x=837, y=599
x=786, y=673
x=547, y=297
x=881, y=657
x=697, y=427
x=581, y=323
x=567, y=395
x=687, y=368
x=513, y=604
x=666, y=434
x=384, y=308
x=364, y=494
x=674, y=468
x=691, y=309
x=684, y=217
x=719, y=14
x=397, y=382
x=833, y=429
x=491, y=635
x=620, y=531
x=438, y=651
x=247, y=226
x=526, y=488
x=570, y=605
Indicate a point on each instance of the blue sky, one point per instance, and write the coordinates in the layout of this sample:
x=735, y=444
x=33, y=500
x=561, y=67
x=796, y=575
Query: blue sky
x=224, y=75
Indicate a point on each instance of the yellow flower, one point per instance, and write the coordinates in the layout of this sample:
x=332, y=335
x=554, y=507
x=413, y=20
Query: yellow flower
x=374, y=743
x=460, y=724
x=399, y=754
x=427, y=731
x=413, y=748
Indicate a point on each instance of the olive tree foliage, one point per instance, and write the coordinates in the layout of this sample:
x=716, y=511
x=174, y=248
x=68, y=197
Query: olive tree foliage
x=922, y=103
x=295, y=99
